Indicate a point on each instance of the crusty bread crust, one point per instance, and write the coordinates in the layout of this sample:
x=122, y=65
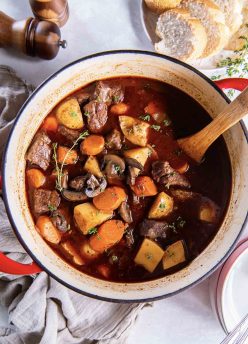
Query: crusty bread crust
x=196, y=43
x=159, y=6
x=213, y=19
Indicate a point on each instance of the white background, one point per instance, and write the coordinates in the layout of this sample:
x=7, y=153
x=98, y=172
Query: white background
x=94, y=26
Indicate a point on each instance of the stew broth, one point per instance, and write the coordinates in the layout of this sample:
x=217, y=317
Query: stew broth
x=205, y=189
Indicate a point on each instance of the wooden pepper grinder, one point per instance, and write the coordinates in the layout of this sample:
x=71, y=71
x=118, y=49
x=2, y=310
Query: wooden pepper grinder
x=56, y=11
x=31, y=36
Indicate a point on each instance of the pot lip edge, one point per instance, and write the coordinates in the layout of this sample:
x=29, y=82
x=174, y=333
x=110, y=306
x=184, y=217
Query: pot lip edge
x=15, y=229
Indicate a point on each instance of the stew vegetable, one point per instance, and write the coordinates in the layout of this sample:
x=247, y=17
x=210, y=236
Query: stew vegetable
x=110, y=190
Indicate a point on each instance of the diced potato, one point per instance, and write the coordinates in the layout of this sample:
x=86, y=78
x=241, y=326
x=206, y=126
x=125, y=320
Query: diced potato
x=47, y=230
x=174, y=255
x=135, y=131
x=208, y=211
x=162, y=206
x=88, y=252
x=88, y=216
x=71, y=251
x=70, y=115
x=139, y=154
x=92, y=166
x=153, y=153
x=149, y=255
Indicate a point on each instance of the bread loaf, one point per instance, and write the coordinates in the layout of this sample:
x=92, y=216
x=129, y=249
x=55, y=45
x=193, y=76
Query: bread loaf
x=233, y=13
x=160, y=6
x=213, y=20
x=183, y=37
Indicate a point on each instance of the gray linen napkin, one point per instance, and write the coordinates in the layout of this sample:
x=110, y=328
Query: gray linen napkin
x=41, y=310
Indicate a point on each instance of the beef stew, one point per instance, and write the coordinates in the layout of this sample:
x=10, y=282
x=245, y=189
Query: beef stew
x=110, y=190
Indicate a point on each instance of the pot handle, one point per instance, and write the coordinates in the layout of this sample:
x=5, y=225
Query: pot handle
x=10, y=266
x=238, y=84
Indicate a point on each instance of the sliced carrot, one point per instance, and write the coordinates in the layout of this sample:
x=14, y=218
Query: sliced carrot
x=63, y=155
x=104, y=270
x=50, y=124
x=144, y=186
x=47, y=230
x=110, y=199
x=182, y=167
x=119, y=109
x=108, y=234
x=155, y=109
x=36, y=178
x=92, y=145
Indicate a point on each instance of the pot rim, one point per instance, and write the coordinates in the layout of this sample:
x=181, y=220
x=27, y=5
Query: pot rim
x=4, y=190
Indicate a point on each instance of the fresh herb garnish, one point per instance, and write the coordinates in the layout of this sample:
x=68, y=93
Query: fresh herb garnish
x=114, y=258
x=148, y=255
x=51, y=207
x=155, y=127
x=86, y=113
x=145, y=117
x=73, y=114
x=180, y=222
x=117, y=168
x=215, y=77
x=116, y=99
x=59, y=169
x=167, y=122
x=92, y=230
x=162, y=206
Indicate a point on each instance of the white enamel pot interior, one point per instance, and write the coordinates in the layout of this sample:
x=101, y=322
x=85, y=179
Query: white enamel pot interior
x=70, y=79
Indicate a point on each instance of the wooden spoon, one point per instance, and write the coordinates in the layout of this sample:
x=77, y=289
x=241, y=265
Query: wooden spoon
x=196, y=145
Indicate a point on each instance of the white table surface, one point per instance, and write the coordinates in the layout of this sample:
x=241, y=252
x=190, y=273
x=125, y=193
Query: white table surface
x=94, y=26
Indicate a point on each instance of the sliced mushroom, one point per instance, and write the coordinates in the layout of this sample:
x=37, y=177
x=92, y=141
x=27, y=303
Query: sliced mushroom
x=131, y=175
x=74, y=196
x=134, y=163
x=95, y=186
x=78, y=182
x=59, y=221
x=114, y=165
x=125, y=212
x=129, y=236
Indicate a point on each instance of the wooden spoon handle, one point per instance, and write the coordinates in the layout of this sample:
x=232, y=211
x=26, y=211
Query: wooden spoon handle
x=199, y=142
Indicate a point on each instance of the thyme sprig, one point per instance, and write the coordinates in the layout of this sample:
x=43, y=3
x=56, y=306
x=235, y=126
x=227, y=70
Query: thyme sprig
x=59, y=167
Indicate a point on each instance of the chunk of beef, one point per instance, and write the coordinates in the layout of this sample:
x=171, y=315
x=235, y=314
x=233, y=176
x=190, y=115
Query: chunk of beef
x=40, y=151
x=70, y=134
x=82, y=97
x=78, y=183
x=59, y=221
x=97, y=115
x=45, y=200
x=113, y=140
x=164, y=174
x=154, y=229
x=108, y=92
x=197, y=205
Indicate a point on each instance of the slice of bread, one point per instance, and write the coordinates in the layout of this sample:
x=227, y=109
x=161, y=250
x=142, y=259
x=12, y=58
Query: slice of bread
x=213, y=20
x=233, y=13
x=183, y=37
x=237, y=43
x=160, y=6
